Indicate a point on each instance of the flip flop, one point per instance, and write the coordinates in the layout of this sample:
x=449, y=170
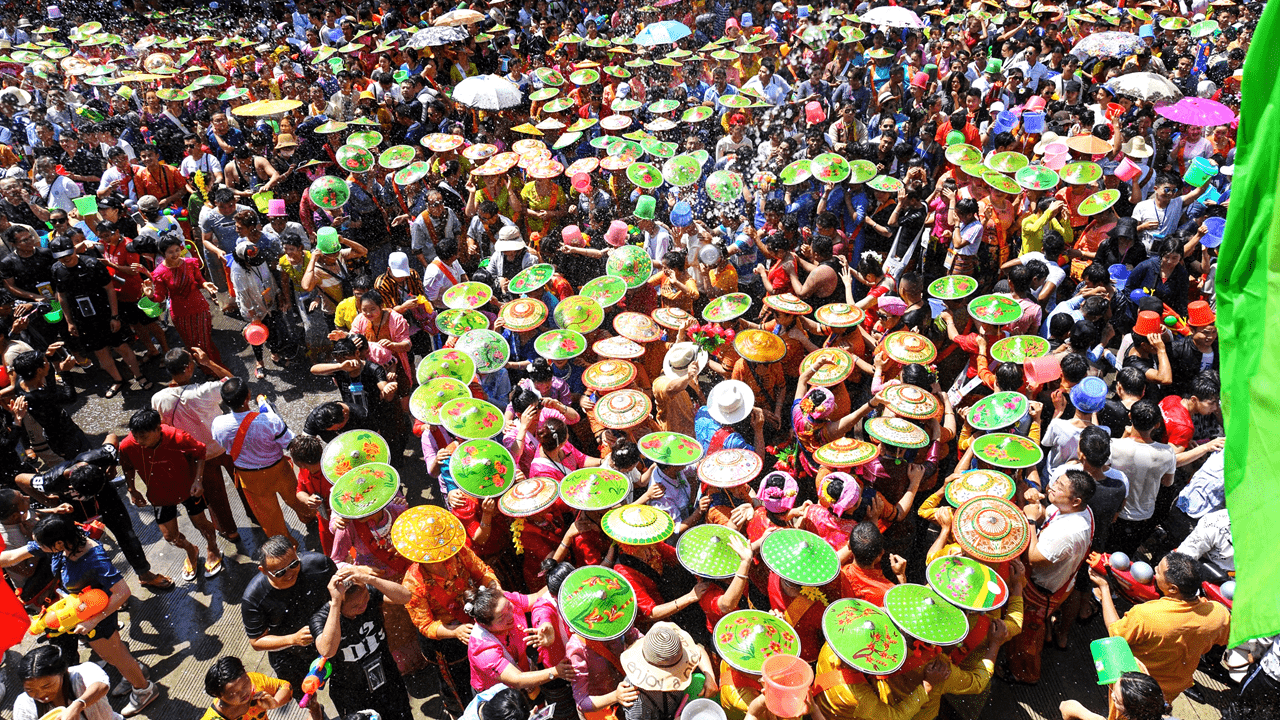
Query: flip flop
x=259, y=373
x=158, y=582
x=212, y=569
x=188, y=571
x=144, y=383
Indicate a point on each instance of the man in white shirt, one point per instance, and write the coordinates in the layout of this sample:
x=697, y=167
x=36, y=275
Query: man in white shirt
x=192, y=407
x=1211, y=541
x=443, y=272
x=773, y=88
x=1148, y=465
x=1059, y=539
x=56, y=191
x=197, y=160
x=432, y=226
x=1158, y=216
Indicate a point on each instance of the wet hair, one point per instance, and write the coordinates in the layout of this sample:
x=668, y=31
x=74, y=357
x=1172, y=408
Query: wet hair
x=87, y=480
x=1142, y=697
x=1207, y=386
x=918, y=375
x=966, y=206
x=1009, y=376
x=345, y=347
x=276, y=546
x=1132, y=380
x=1020, y=279
x=53, y=529
x=166, y=242
x=507, y=704
x=555, y=572
x=1145, y=416
x=1184, y=572
x=177, y=360
x=1096, y=274
x=540, y=370
x=362, y=282
x=1095, y=445
x=625, y=454
x=482, y=603
x=1081, y=484
x=447, y=248
x=552, y=434
x=235, y=391
x=27, y=364
x=1074, y=367
x=1060, y=324
x=307, y=449
x=221, y=674
x=866, y=543
x=144, y=421
x=44, y=661
x=1084, y=335
x=374, y=297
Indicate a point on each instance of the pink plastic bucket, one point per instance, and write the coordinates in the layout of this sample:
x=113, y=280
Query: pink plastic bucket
x=255, y=333
x=1057, y=160
x=1042, y=370
x=786, y=685
x=1127, y=170
x=1056, y=148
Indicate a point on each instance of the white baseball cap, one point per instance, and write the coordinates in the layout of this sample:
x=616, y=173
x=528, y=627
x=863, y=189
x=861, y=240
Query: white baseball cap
x=398, y=264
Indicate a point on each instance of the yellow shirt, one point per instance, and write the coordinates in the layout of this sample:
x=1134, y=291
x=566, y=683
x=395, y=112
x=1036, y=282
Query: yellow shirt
x=861, y=701
x=345, y=313
x=965, y=679
x=724, y=280
x=261, y=683
x=1169, y=637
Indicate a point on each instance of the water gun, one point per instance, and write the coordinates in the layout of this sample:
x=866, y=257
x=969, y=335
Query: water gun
x=63, y=615
x=314, y=682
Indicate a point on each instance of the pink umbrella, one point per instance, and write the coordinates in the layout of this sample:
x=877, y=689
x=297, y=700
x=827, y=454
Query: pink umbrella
x=1198, y=111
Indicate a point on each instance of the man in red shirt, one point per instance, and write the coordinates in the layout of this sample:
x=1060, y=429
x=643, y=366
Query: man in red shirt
x=128, y=269
x=959, y=121
x=1178, y=411
x=863, y=578
x=171, y=463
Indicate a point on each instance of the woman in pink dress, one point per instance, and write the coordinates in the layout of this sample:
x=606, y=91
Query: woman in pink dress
x=387, y=341
x=179, y=280
x=556, y=456
x=496, y=646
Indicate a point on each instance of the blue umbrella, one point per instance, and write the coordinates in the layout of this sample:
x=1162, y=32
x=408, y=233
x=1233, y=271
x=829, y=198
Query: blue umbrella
x=661, y=33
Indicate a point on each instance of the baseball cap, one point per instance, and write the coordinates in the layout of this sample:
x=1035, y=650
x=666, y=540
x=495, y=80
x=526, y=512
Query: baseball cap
x=62, y=246
x=398, y=264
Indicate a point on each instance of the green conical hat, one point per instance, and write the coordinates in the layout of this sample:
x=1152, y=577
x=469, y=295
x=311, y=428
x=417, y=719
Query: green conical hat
x=580, y=313
x=1019, y=348
x=637, y=525
x=560, y=344
x=487, y=349
x=670, y=448
x=396, y=157
x=471, y=419
x=997, y=410
x=1005, y=450
x=531, y=279
x=329, y=192
x=830, y=168
x=995, y=309
x=427, y=398
x=457, y=322
x=796, y=172
x=482, y=468
x=595, y=488
x=800, y=557
x=744, y=638
x=631, y=263
x=467, y=296
x=606, y=290
x=977, y=483
x=448, y=363
x=727, y=307
x=967, y=583
x=921, y=613
x=354, y=158
x=863, y=636
x=712, y=551
x=597, y=603
x=350, y=450
x=364, y=491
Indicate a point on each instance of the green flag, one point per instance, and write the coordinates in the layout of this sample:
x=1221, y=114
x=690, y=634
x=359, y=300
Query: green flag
x=1248, y=287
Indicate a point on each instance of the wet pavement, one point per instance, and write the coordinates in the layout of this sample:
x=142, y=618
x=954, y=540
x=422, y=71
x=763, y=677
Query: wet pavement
x=180, y=632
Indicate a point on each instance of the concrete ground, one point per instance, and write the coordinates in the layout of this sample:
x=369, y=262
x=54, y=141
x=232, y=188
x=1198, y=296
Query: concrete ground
x=179, y=633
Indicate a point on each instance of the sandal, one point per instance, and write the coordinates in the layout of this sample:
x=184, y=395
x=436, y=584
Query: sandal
x=144, y=383
x=259, y=373
x=116, y=389
x=188, y=571
x=211, y=569
x=158, y=582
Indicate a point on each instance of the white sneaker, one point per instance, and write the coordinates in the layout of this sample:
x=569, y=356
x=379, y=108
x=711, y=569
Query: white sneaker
x=140, y=699
x=123, y=687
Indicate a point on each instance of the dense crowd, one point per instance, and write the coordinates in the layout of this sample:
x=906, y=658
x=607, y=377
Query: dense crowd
x=765, y=361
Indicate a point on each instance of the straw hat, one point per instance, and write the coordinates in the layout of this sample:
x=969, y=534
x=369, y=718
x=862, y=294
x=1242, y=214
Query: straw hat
x=681, y=355
x=730, y=402
x=1137, y=148
x=663, y=660
x=759, y=346
x=524, y=314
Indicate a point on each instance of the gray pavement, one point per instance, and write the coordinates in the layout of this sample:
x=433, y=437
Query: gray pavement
x=179, y=633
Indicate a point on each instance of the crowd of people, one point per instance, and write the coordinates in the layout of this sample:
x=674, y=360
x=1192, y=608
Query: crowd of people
x=761, y=361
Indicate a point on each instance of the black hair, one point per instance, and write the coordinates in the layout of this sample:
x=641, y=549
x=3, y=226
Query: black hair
x=625, y=454
x=374, y=297
x=345, y=347
x=1020, y=280
x=866, y=543
x=167, y=242
x=53, y=529
x=540, y=370
x=1009, y=376
x=44, y=661
x=235, y=391
x=87, y=480
x=27, y=364
x=177, y=360
x=1184, y=572
x=1096, y=274
x=447, y=248
x=221, y=674
x=1142, y=697
x=1074, y=367
x=508, y=704
x=8, y=501
x=482, y=603
x=967, y=206
x=1207, y=386
x=918, y=375
x=1084, y=335
x=144, y=421
x=1132, y=380
x=307, y=449
x=1095, y=445
x=362, y=282
x=1060, y=324
x=1145, y=416
x=1081, y=484
x=521, y=398
x=556, y=572
x=552, y=434
x=275, y=546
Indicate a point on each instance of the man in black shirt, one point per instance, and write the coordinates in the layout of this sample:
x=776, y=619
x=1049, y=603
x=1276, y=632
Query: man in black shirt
x=328, y=420
x=88, y=297
x=27, y=271
x=279, y=602
x=18, y=203
x=83, y=166
x=80, y=486
x=365, y=389
x=349, y=630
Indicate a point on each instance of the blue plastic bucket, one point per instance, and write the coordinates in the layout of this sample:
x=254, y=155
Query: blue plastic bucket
x=1033, y=122
x=1215, y=226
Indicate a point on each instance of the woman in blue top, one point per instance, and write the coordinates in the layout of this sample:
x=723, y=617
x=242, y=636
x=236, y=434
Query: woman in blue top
x=80, y=564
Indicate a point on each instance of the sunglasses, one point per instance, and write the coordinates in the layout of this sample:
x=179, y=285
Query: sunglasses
x=58, y=221
x=284, y=570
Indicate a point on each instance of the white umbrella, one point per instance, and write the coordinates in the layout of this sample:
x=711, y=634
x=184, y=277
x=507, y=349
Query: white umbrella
x=1146, y=86
x=459, y=17
x=892, y=16
x=487, y=92
x=435, y=36
x=662, y=33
